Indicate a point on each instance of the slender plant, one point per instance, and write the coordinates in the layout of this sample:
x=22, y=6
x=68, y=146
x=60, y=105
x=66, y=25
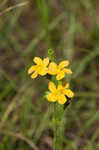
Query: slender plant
x=59, y=93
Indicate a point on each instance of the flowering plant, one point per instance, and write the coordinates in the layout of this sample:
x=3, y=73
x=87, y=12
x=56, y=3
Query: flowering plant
x=58, y=91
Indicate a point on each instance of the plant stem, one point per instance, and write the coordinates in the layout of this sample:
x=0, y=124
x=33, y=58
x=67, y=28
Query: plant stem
x=55, y=127
x=58, y=126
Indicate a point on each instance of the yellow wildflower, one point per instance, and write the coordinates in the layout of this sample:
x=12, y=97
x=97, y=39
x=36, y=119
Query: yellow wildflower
x=59, y=70
x=39, y=68
x=59, y=94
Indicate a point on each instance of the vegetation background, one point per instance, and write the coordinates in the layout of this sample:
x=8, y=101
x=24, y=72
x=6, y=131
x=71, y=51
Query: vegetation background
x=29, y=29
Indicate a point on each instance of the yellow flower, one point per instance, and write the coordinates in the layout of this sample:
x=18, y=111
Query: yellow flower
x=59, y=70
x=59, y=94
x=39, y=68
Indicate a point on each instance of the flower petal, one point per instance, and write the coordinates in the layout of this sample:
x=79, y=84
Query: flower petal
x=68, y=71
x=31, y=69
x=68, y=93
x=66, y=85
x=62, y=99
x=37, y=60
x=34, y=75
x=60, y=75
x=46, y=61
x=51, y=97
x=63, y=64
x=52, y=87
x=52, y=68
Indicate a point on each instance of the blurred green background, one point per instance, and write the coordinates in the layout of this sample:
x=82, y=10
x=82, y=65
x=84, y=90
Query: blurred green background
x=29, y=29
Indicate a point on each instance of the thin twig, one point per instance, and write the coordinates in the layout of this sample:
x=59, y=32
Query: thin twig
x=8, y=111
x=22, y=137
x=13, y=7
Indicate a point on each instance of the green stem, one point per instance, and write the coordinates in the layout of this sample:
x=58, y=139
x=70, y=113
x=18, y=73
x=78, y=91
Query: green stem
x=55, y=127
x=58, y=126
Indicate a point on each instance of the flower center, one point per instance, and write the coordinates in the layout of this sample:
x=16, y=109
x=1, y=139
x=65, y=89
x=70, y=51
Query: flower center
x=39, y=67
x=59, y=92
x=58, y=70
